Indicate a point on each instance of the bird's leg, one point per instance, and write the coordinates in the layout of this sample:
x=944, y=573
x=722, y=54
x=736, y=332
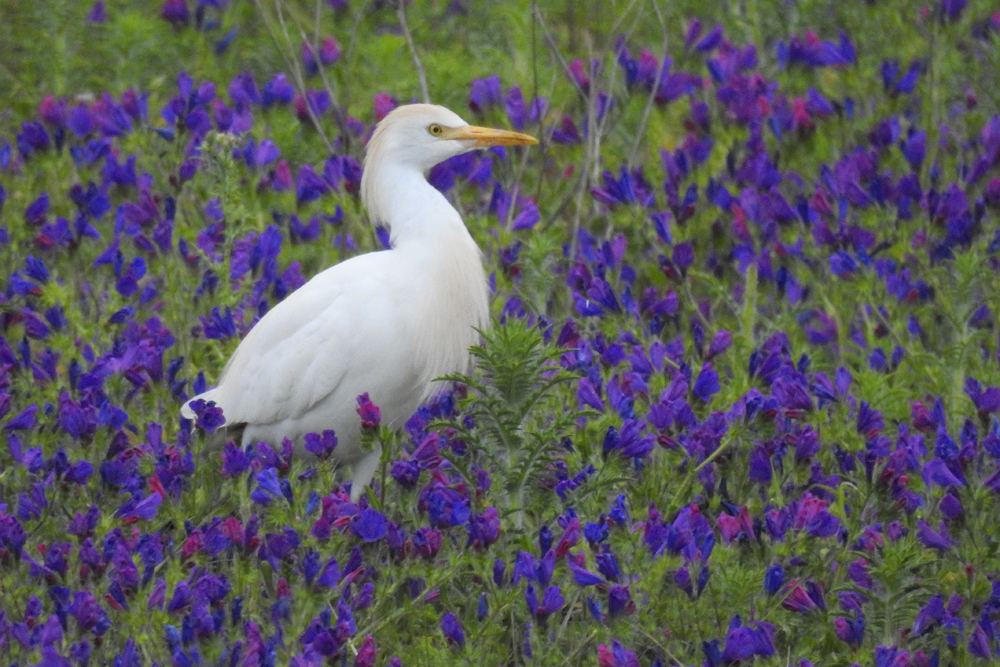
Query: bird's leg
x=364, y=470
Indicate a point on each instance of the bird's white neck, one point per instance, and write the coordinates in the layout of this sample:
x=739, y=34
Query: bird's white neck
x=400, y=198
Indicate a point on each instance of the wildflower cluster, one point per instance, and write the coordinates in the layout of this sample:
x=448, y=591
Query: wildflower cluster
x=741, y=402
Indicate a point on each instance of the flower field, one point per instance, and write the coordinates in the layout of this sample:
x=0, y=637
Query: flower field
x=739, y=403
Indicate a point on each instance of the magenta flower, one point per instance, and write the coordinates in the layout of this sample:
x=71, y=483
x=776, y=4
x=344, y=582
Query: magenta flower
x=851, y=632
x=329, y=51
x=616, y=656
x=367, y=653
x=371, y=415
x=797, y=599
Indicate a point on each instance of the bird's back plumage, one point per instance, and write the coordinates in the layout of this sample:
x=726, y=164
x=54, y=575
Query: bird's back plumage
x=365, y=325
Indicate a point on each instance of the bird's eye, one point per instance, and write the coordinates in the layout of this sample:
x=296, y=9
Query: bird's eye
x=435, y=130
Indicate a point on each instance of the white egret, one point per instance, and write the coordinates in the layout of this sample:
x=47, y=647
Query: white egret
x=387, y=323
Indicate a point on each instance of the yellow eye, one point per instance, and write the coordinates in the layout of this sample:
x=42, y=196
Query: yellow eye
x=435, y=130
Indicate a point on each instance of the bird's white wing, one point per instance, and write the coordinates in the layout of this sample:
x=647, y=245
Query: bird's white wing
x=336, y=327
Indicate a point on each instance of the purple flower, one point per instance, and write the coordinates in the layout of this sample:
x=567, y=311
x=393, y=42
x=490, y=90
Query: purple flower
x=259, y=155
x=24, y=421
x=97, y=13
x=711, y=40
x=382, y=104
x=36, y=211
x=321, y=446
x=813, y=517
x=516, y=110
x=277, y=91
x=979, y=641
x=736, y=527
x=329, y=51
x=452, y=630
x=774, y=579
x=929, y=538
x=722, y=341
x=937, y=472
x=427, y=541
x=371, y=415
x=870, y=421
x=987, y=401
x=79, y=473
x=739, y=642
x=370, y=525
x=931, y=613
x=499, y=569
x=798, y=599
x=131, y=512
x=707, y=383
x=953, y=9
x=587, y=394
x=951, y=506
x=268, y=481
x=484, y=529
x=234, y=460
x=309, y=185
x=243, y=90
x=367, y=653
x=582, y=576
x=208, y=415
x=851, y=632
x=158, y=596
x=607, y=565
x=619, y=600
x=683, y=580
x=175, y=12
x=858, y=572
x=914, y=149
x=485, y=93
x=33, y=137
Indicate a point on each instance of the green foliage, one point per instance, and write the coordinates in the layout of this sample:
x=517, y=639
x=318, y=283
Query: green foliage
x=519, y=419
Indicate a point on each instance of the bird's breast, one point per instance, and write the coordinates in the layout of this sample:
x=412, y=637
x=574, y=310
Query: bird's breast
x=449, y=303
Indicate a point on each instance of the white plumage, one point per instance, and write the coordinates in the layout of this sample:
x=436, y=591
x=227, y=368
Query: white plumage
x=387, y=322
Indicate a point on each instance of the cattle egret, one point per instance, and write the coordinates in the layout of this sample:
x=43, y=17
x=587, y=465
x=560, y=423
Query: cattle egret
x=387, y=323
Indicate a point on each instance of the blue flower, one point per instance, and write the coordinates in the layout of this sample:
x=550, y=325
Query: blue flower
x=582, y=576
x=707, y=383
x=277, y=90
x=937, y=472
x=144, y=509
x=321, y=446
x=23, y=421
x=774, y=579
x=370, y=525
x=309, y=185
x=268, y=481
x=930, y=538
x=452, y=630
x=711, y=40
x=485, y=93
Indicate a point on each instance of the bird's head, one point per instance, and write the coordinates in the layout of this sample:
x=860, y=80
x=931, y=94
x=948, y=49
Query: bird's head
x=422, y=135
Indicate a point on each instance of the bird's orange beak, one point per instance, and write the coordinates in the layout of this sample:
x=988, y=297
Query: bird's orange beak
x=485, y=136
